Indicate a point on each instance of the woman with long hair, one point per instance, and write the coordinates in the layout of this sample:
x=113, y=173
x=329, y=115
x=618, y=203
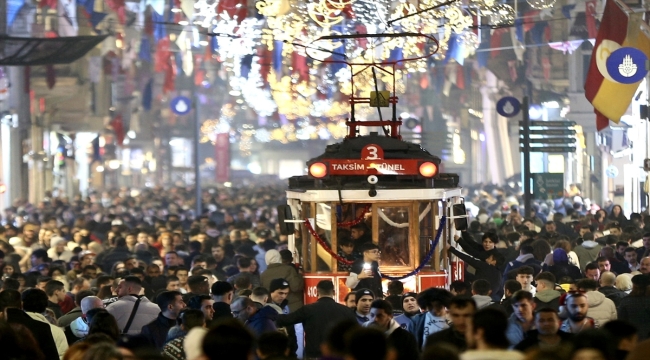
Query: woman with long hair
x=165, y=241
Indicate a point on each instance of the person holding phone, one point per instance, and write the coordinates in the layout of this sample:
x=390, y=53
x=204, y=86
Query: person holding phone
x=365, y=271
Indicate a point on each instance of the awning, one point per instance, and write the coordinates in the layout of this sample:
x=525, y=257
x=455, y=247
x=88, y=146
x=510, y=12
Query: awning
x=22, y=51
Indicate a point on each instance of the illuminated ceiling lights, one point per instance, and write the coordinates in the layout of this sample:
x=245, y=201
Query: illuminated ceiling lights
x=541, y=4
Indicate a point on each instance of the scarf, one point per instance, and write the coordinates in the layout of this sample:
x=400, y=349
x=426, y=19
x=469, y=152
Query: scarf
x=433, y=324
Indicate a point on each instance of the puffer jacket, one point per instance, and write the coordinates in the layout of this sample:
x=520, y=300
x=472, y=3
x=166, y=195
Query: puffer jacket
x=79, y=328
x=601, y=309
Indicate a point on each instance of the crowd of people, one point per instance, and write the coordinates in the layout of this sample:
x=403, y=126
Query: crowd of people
x=125, y=275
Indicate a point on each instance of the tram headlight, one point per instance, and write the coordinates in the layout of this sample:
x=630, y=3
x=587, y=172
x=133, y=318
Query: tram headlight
x=372, y=179
x=428, y=169
x=318, y=170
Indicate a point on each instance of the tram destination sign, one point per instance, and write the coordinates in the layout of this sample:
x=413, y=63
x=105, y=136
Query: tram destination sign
x=372, y=167
x=560, y=140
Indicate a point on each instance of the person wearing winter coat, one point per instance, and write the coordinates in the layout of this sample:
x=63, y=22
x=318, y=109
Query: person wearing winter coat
x=587, y=252
x=601, y=309
x=525, y=258
x=489, y=269
x=381, y=315
x=607, y=282
x=258, y=318
x=434, y=301
x=78, y=328
x=546, y=296
x=277, y=270
x=561, y=266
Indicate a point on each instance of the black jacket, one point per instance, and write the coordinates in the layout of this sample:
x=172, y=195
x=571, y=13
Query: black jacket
x=448, y=336
x=156, y=331
x=564, y=269
x=613, y=294
x=484, y=271
x=404, y=343
x=531, y=340
x=109, y=258
x=316, y=319
x=41, y=331
x=263, y=320
x=221, y=311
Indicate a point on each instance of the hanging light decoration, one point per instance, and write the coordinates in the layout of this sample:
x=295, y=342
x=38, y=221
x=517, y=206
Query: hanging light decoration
x=541, y=4
x=502, y=16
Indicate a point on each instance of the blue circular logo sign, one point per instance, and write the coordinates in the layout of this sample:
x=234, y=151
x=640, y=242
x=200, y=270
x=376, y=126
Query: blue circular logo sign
x=627, y=65
x=508, y=106
x=181, y=105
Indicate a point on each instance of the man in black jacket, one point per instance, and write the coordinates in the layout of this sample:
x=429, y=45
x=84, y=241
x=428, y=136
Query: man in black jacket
x=381, y=316
x=222, y=294
x=488, y=269
x=11, y=307
x=119, y=253
x=461, y=310
x=170, y=303
x=317, y=318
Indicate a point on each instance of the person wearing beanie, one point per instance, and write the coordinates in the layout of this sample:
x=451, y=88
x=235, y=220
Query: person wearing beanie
x=410, y=309
x=364, y=298
x=59, y=250
x=277, y=270
x=278, y=293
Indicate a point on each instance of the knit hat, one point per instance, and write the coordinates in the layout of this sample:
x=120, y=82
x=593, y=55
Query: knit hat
x=58, y=239
x=272, y=257
x=278, y=284
x=363, y=292
x=408, y=295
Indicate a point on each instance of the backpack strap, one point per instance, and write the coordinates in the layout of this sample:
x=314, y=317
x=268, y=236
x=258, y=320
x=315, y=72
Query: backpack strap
x=132, y=316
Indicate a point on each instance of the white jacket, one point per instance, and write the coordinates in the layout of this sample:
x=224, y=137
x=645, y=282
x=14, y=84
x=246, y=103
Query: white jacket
x=66, y=255
x=57, y=333
x=122, y=308
x=79, y=327
x=601, y=309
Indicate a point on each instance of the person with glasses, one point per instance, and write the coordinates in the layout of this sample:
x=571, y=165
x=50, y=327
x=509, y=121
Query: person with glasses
x=258, y=318
x=365, y=271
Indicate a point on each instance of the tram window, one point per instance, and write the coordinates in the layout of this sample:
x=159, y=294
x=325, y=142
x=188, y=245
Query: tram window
x=324, y=231
x=427, y=229
x=393, y=236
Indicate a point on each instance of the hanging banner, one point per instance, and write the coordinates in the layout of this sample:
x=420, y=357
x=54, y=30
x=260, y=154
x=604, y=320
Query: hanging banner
x=222, y=157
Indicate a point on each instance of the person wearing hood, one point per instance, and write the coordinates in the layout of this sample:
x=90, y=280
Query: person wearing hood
x=277, y=270
x=522, y=320
x=561, y=266
x=410, y=309
x=546, y=296
x=78, y=329
x=59, y=250
x=258, y=318
x=404, y=343
x=433, y=320
x=607, y=282
x=525, y=258
x=588, y=251
x=601, y=309
x=481, y=294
